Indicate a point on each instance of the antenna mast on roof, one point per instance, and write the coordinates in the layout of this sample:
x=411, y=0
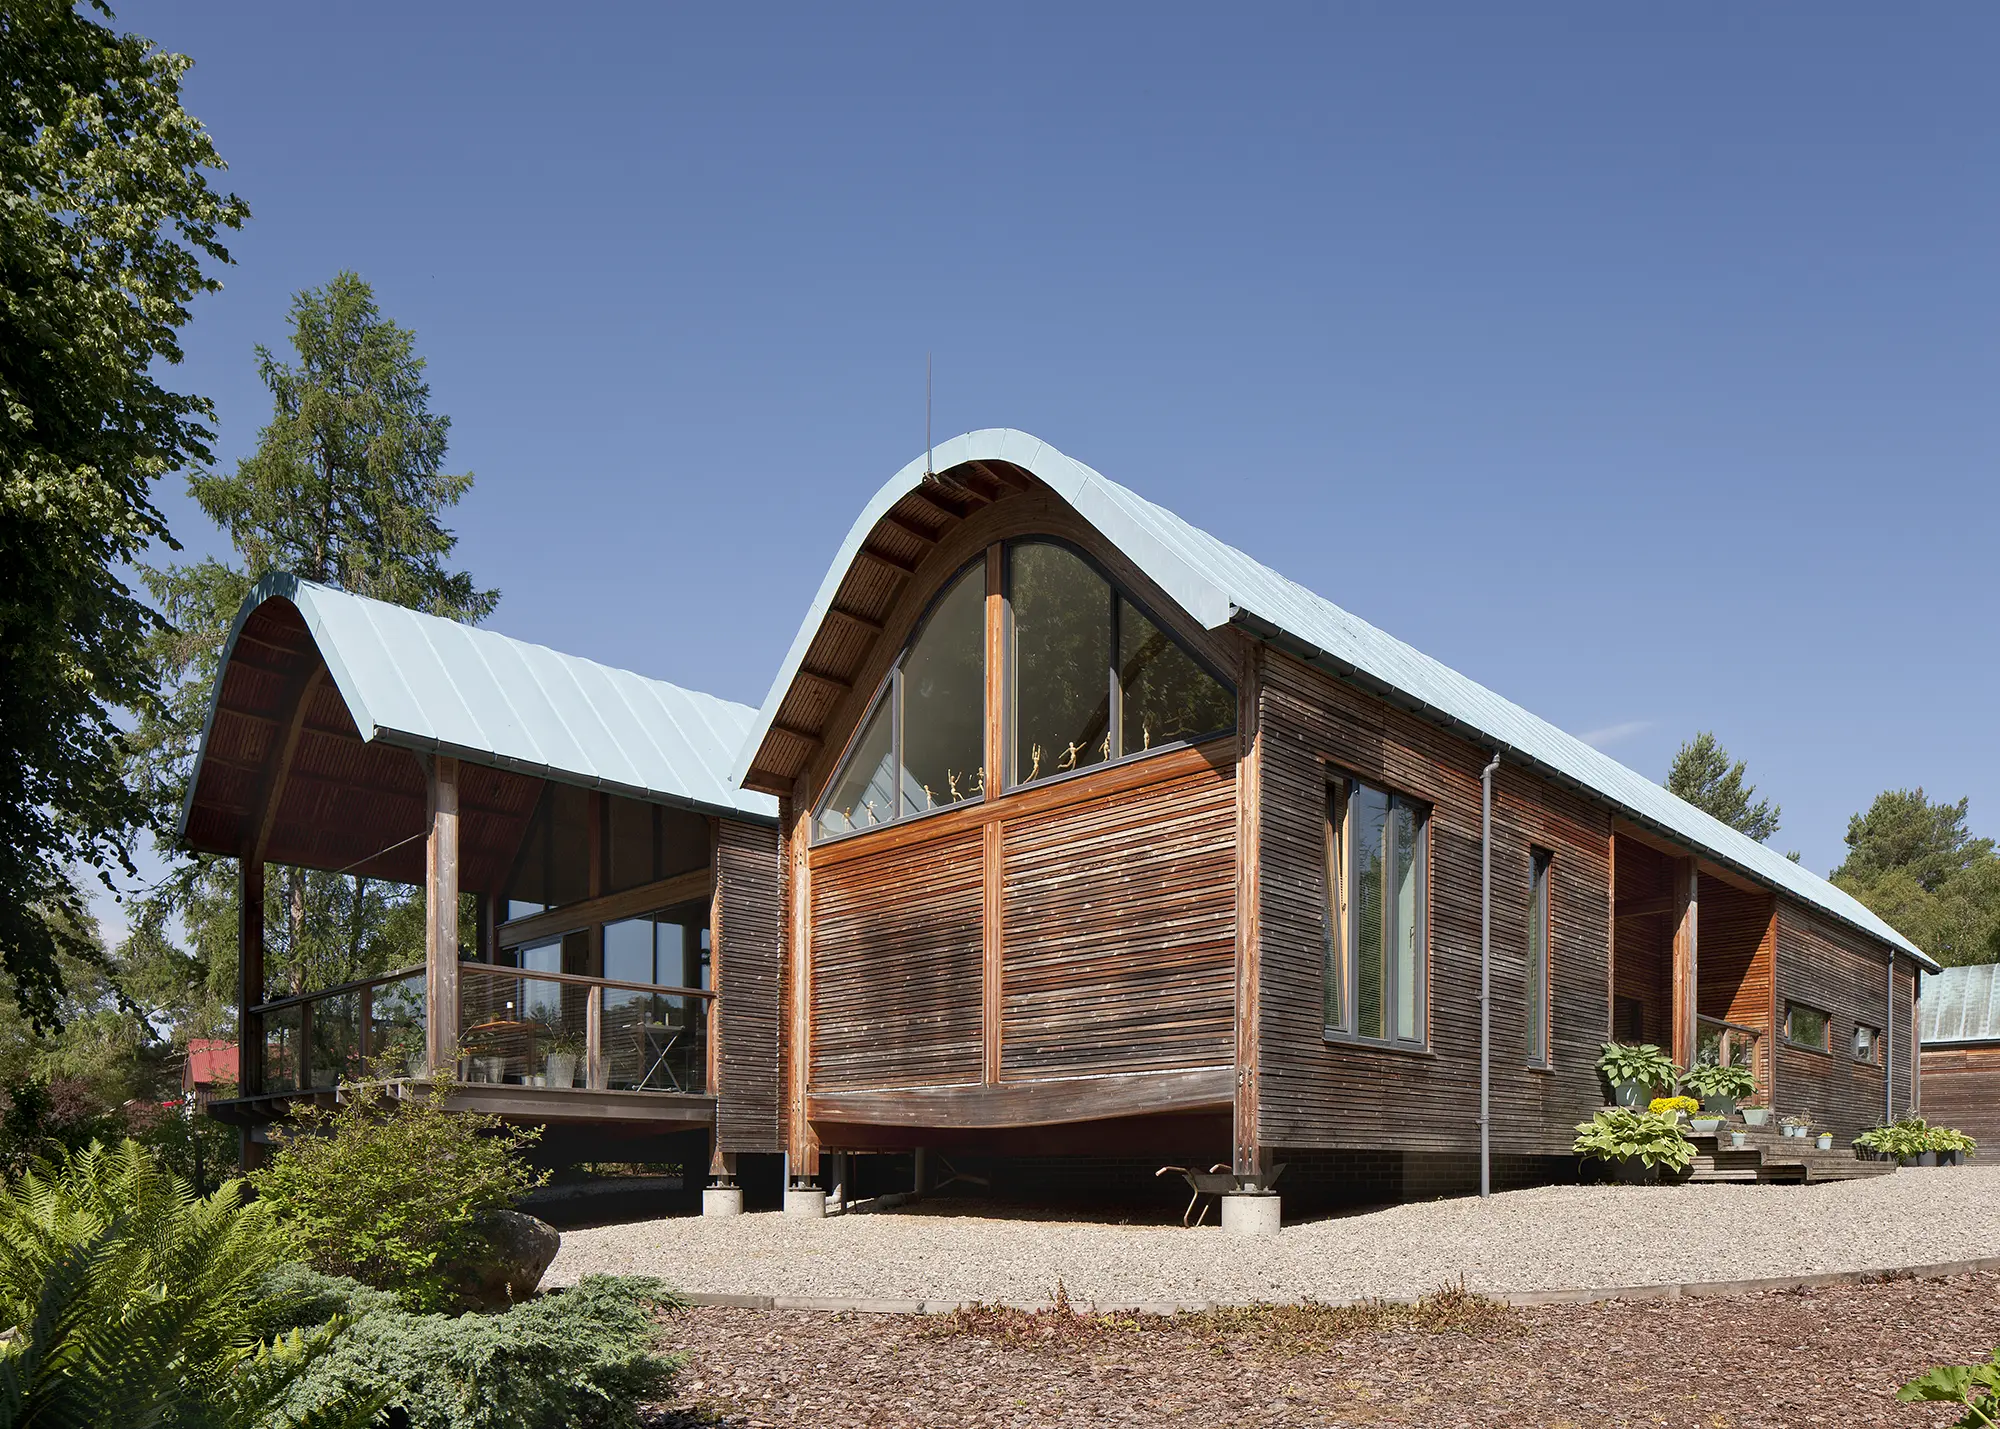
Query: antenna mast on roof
x=927, y=416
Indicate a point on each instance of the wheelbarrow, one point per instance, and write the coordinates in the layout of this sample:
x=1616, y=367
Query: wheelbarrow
x=1217, y=1180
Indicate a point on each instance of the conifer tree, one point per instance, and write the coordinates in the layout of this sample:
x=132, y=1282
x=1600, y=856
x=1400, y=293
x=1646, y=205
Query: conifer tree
x=1703, y=775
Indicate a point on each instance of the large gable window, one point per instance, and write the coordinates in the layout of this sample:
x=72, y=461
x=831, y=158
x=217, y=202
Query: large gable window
x=922, y=746
x=1093, y=678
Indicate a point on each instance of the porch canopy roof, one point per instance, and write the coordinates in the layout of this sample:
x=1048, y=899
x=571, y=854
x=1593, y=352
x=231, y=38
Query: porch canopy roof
x=324, y=697
x=1217, y=585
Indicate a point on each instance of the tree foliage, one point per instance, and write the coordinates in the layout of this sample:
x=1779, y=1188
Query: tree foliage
x=346, y=487
x=109, y=222
x=138, y=1302
x=1918, y=865
x=1703, y=775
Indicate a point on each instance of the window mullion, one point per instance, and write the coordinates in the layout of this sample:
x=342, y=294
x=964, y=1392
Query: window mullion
x=1114, y=703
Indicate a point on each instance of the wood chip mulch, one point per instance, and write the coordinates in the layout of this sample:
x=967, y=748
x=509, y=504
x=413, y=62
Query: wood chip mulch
x=1824, y=1357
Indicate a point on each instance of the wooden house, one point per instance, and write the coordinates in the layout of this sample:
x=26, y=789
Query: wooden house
x=1958, y=1073
x=601, y=934
x=1103, y=841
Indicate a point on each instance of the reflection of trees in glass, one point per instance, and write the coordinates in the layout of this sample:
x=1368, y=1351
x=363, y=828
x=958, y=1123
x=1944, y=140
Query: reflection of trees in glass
x=1376, y=949
x=864, y=791
x=1062, y=661
x=1334, y=975
x=943, y=684
x=1167, y=696
x=1370, y=818
x=1408, y=932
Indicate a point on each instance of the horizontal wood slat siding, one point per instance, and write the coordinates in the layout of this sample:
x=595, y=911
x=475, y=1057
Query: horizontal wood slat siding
x=896, y=952
x=1643, y=964
x=1961, y=1088
x=1320, y=1094
x=1826, y=966
x=1119, y=932
x=1734, y=962
x=749, y=957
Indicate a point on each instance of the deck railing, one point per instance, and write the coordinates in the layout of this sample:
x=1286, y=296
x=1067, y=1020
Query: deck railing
x=1728, y=1044
x=522, y=1028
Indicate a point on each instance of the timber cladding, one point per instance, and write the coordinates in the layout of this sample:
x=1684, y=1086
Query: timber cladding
x=1843, y=974
x=1119, y=932
x=1961, y=1088
x=749, y=954
x=1320, y=1093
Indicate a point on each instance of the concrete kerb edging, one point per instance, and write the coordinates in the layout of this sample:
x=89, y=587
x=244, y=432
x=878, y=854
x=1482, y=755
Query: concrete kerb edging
x=835, y=1304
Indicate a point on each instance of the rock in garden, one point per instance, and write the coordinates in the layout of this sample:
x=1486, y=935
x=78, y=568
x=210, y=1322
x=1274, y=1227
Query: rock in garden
x=507, y=1266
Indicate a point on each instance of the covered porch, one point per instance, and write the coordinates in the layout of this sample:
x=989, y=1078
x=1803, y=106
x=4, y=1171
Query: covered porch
x=1694, y=949
x=573, y=836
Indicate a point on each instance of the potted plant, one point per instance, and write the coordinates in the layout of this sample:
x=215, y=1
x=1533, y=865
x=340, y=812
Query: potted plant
x=1705, y=1123
x=1740, y=1140
x=1720, y=1088
x=1872, y=1144
x=562, y=1048
x=1798, y=1126
x=1634, y=1072
x=1638, y=1145
x=1754, y=1115
x=1676, y=1107
x=1825, y=1140
x=404, y=1053
x=1950, y=1144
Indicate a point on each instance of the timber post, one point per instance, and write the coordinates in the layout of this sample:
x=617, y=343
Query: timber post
x=441, y=914
x=1686, y=967
x=249, y=992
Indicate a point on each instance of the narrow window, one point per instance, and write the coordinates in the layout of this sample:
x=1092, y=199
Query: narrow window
x=1377, y=934
x=1538, y=957
x=1807, y=1026
x=1865, y=1039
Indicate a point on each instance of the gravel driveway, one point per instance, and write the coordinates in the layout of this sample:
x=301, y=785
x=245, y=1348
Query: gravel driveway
x=1555, y=1237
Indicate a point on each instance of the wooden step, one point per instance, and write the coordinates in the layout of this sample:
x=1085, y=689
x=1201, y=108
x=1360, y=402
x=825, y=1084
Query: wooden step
x=1773, y=1156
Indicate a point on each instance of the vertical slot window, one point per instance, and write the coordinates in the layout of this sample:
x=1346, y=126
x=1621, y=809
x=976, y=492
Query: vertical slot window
x=1537, y=980
x=1377, y=898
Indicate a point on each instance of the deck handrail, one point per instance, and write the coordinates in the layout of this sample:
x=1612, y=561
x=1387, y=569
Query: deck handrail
x=581, y=980
x=292, y=999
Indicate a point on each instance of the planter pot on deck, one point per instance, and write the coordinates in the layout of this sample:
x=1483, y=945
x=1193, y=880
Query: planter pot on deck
x=1719, y=1106
x=1630, y=1094
x=1740, y=1140
x=1922, y=1158
x=1951, y=1158
x=1706, y=1125
x=489, y=1069
x=1756, y=1115
x=1826, y=1141
x=1633, y=1171
x=562, y=1069
x=418, y=1065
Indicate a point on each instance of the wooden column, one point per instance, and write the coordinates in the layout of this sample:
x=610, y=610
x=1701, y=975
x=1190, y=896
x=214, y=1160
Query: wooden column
x=441, y=913
x=1246, y=1157
x=249, y=974
x=803, y=1150
x=1686, y=906
x=994, y=944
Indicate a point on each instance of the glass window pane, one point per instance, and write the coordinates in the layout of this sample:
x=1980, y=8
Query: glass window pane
x=1368, y=818
x=1406, y=829
x=1333, y=978
x=629, y=951
x=944, y=700
x=1061, y=694
x=1167, y=696
x=864, y=792
x=1538, y=958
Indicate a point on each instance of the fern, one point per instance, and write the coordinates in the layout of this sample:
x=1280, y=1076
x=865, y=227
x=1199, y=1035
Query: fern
x=135, y=1302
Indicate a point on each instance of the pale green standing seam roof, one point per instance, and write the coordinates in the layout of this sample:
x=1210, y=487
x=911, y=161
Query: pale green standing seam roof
x=1219, y=585
x=1960, y=1005
x=429, y=684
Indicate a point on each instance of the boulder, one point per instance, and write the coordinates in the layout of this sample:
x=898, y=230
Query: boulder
x=513, y=1251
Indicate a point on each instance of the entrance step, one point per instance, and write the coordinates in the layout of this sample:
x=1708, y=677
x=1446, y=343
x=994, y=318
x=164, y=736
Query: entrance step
x=1773, y=1156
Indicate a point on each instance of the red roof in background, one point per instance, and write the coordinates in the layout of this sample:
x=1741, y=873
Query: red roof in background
x=210, y=1060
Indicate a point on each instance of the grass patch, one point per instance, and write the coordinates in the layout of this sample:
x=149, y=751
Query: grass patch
x=1451, y=1309
x=1056, y=1326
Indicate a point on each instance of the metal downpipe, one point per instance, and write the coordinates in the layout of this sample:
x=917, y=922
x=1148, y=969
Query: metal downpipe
x=1889, y=1048
x=1486, y=977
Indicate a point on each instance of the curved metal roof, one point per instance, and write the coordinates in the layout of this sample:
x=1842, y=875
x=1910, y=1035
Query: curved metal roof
x=1960, y=1005
x=425, y=683
x=1220, y=585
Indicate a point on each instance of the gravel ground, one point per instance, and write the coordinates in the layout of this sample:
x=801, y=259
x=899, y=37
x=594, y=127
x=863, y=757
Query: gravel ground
x=1830, y=1358
x=1557, y=1237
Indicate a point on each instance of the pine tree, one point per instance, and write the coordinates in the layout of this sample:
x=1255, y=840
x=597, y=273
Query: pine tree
x=1703, y=775
x=1918, y=865
x=347, y=487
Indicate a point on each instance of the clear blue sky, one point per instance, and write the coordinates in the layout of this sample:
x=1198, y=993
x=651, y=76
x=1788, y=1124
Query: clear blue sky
x=1640, y=363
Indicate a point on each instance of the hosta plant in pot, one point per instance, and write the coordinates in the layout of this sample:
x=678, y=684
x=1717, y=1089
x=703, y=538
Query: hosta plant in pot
x=1950, y=1144
x=1635, y=1071
x=1720, y=1088
x=1873, y=1144
x=1638, y=1145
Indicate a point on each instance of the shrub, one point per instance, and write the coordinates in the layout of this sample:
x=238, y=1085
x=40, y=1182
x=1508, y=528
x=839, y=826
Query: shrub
x=1949, y=1138
x=189, y=1142
x=394, y=1196
x=1667, y=1106
x=1708, y=1079
x=582, y=1357
x=1644, y=1063
x=1616, y=1133
x=138, y=1302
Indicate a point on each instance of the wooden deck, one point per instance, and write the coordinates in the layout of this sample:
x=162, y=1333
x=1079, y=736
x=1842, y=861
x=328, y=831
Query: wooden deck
x=1773, y=1156
x=663, y=1111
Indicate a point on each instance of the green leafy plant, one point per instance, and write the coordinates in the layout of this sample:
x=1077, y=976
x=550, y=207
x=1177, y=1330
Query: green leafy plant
x=1948, y=1138
x=137, y=1302
x=1709, y=1080
x=1616, y=1133
x=1975, y=1386
x=584, y=1356
x=1643, y=1063
x=394, y=1194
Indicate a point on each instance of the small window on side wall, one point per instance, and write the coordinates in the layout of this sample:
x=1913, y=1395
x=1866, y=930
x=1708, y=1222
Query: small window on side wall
x=1807, y=1026
x=1537, y=1011
x=1866, y=1040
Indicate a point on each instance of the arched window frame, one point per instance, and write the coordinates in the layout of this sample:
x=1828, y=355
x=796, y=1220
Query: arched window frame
x=890, y=689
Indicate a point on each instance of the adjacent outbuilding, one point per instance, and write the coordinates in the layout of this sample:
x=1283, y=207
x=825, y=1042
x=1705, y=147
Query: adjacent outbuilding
x=1959, y=1074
